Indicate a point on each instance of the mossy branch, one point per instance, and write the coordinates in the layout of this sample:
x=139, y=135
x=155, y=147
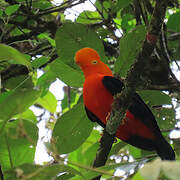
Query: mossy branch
x=123, y=99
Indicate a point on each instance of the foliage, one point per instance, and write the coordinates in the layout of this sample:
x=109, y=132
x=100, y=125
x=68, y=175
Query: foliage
x=36, y=35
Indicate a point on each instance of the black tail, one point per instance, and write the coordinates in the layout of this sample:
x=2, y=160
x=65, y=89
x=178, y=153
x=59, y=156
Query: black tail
x=164, y=150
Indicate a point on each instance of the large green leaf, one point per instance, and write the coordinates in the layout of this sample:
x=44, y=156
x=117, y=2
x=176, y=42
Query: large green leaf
x=130, y=45
x=116, y=147
x=12, y=9
x=173, y=22
x=165, y=117
x=86, y=153
x=42, y=4
x=153, y=97
x=48, y=101
x=128, y=22
x=27, y=115
x=89, y=17
x=71, y=37
x=1, y=13
x=36, y=63
x=13, y=56
x=46, y=36
x=71, y=129
x=123, y=3
x=25, y=81
x=15, y=102
x=138, y=176
x=67, y=74
x=18, y=144
x=135, y=152
x=37, y=172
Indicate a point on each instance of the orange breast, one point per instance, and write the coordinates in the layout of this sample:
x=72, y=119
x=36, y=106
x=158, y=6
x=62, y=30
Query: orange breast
x=96, y=97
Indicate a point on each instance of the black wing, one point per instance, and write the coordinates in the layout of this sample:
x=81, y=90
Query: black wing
x=138, y=108
x=94, y=118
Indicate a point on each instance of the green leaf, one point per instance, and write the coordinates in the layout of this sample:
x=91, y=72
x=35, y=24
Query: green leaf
x=48, y=101
x=71, y=37
x=71, y=129
x=12, y=9
x=27, y=115
x=46, y=36
x=45, y=80
x=13, y=56
x=102, y=7
x=67, y=74
x=135, y=152
x=90, y=153
x=15, y=102
x=77, y=156
x=90, y=174
x=153, y=97
x=128, y=22
x=116, y=147
x=18, y=144
x=120, y=5
x=123, y=3
x=42, y=4
x=89, y=17
x=130, y=46
x=86, y=153
x=1, y=13
x=39, y=62
x=138, y=176
x=37, y=172
x=20, y=152
x=173, y=22
x=165, y=118
x=20, y=18
x=73, y=99
x=25, y=81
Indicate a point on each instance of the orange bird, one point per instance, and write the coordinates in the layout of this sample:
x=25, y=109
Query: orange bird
x=139, y=127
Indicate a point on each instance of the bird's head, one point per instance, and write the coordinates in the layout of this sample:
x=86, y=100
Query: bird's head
x=89, y=61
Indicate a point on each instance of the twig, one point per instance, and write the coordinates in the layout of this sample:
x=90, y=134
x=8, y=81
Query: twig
x=168, y=130
x=137, y=12
x=59, y=9
x=143, y=12
x=175, y=87
x=69, y=96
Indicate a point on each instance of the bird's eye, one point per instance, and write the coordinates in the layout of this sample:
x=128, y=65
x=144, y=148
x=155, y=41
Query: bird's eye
x=94, y=62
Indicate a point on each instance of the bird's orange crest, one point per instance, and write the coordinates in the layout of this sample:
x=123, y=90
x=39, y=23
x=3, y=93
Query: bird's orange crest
x=89, y=61
x=86, y=56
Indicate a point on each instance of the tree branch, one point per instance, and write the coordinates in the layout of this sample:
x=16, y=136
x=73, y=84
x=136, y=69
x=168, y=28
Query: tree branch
x=1, y=173
x=123, y=99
